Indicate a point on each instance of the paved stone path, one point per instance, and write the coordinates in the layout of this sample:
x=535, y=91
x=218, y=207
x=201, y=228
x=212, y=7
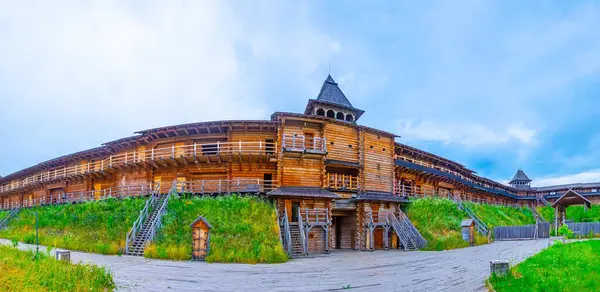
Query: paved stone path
x=456, y=270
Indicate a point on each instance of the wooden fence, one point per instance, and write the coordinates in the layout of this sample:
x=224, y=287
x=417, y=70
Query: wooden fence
x=584, y=228
x=534, y=231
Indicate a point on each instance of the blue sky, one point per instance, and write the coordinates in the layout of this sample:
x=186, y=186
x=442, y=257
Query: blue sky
x=494, y=85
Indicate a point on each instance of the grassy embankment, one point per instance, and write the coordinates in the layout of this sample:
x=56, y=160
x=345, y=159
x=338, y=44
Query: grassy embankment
x=244, y=230
x=3, y=214
x=561, y=267
x=98, y=226
x=494, y=215
x=19, y=271
x=439, y=220
x=575, y=213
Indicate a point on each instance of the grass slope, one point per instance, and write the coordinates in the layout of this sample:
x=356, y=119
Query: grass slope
x=3, y=214
x=98, y=226
x=20, y=272
x=244, y=230
x=561, y=267
x=438, y=220
x=575, y=213
x=494, y=215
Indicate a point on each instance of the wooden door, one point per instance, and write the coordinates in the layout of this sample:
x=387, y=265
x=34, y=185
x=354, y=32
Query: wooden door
x=200, y=243
x=378, y=238
x=288, y=209
x=97, y=191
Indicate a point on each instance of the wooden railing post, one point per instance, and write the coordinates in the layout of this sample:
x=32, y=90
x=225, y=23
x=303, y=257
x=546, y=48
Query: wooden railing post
x=306, y=214
x=195, y=147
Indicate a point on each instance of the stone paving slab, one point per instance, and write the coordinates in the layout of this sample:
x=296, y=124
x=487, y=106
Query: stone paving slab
x=455, y=270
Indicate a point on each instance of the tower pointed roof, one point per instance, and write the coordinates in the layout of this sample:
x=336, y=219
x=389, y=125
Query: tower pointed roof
x=331, y=93
x=520, y=176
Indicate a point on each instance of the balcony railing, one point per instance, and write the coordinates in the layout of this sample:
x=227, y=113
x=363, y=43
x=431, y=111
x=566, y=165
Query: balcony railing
x=342, y=182
x=83, y=196
x=223, y=186
x=133, y=157
x=302, y=143
x=316, y=216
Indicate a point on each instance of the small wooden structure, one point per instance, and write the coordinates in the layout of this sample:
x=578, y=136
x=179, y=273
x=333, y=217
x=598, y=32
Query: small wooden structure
x=200, y=238
x=64, y=255
x=571, y=197
x=468, y=230
x=499, y=268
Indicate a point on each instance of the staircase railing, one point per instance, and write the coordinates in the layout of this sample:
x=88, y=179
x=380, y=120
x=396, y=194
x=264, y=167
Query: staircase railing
x=157, y=222
x=8, y=218
x=418, y=239
x=131, y=235
x=286, y=237
x=402, y=235
x=538, y=217
x=540, y=198
x=302, y=235
x=479, y=225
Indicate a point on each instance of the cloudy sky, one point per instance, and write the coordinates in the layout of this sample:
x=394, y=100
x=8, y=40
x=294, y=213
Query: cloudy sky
x=495, y=85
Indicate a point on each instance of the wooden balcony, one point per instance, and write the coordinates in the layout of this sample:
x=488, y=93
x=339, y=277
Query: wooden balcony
x=84, y=196
x=314, y=217
x=173, y=156
x=303, y=145
x=224, y=186
x=342, y=182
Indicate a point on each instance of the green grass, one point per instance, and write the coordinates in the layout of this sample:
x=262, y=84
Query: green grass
x=19, y=271
x=575, y=213
x=98, y=226
x=244, y=230
x=561, y=267
x=494, y=215
x=438, y=220
x=3, y=214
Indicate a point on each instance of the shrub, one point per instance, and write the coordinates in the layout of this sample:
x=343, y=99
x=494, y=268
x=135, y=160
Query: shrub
x=565, y=231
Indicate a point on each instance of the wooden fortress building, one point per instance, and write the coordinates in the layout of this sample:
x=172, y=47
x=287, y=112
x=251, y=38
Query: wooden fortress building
x=336, y=184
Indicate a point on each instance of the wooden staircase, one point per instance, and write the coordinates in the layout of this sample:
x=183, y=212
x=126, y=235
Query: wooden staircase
x=538, y=217
x=479, y=225
x=297, y=243
x=410, y=237
x=148, y=222
x=9, y=217
x=541, y=199
x=142, y=237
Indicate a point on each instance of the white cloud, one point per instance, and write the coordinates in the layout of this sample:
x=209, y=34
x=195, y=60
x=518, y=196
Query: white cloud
x=464, y=133
x=582, y=177
x=100, y=70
